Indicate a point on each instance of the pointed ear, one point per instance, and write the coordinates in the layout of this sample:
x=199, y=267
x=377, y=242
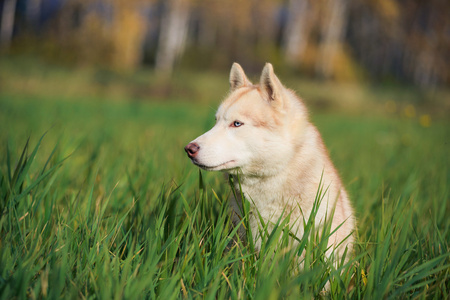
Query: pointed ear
x=270, y=83
x=238, y=78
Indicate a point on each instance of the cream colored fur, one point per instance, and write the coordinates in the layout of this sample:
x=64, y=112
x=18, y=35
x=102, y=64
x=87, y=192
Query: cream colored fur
x=279, y=156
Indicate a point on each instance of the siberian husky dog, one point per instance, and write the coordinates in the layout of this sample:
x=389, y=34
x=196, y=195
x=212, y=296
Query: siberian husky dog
x=263, y=138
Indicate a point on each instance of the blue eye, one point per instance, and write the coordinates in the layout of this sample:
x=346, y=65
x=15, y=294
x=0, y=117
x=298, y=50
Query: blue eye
x=237, y=124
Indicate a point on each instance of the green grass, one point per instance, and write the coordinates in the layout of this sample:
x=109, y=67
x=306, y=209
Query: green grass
x=106, y=205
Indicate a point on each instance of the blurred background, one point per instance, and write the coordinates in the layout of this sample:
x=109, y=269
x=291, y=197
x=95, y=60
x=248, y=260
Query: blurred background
x=343, y=40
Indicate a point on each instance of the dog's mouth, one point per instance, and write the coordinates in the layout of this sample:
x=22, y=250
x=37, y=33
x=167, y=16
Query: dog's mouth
x=221, y=166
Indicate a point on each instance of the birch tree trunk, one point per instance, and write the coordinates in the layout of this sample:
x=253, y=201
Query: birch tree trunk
x=173, y=32
x=7, y=25
x=295, y=35
x=335, y=22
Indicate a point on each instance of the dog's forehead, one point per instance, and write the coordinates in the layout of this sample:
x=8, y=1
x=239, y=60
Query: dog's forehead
x=242, y=100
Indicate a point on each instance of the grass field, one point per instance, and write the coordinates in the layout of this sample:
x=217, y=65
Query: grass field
x=98, y=199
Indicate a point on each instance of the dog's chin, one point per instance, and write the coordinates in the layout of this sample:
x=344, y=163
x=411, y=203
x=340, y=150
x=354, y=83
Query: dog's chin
x=229, y=165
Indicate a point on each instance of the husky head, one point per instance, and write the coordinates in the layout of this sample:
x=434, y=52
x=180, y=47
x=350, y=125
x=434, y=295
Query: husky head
x=257, y=127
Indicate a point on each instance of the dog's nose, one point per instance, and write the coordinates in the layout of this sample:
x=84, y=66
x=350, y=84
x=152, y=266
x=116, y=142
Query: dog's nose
x=192, y=149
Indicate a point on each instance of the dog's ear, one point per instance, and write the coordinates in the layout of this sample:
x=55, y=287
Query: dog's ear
x=238, y=78
x=270, y=83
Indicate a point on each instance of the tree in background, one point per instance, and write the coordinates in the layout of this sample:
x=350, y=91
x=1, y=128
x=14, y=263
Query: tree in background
x=297, y=30
x=7, y=22
x=334, y=22
x=172, y=36
x=127, y=34
x=109, y=33
x=408, y=40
